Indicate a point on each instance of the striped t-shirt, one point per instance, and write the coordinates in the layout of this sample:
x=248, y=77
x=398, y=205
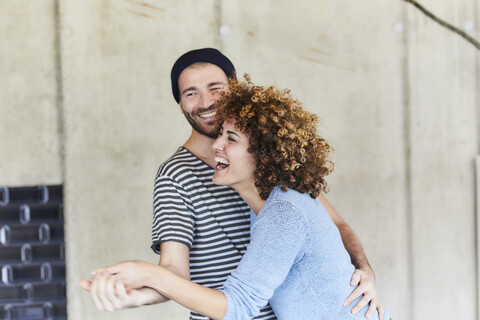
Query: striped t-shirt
x=213, y=221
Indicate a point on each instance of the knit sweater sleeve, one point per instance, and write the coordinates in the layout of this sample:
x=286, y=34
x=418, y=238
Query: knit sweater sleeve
x=277, y=238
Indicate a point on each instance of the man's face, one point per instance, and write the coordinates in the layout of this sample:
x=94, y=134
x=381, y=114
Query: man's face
x=200, y=87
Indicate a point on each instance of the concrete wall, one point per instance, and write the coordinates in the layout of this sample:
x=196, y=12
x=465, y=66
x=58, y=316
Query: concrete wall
x=85, y=101
x=29, y=119
x=442, y=122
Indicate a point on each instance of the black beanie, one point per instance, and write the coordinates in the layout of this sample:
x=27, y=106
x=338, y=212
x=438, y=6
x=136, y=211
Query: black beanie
x=209, y=55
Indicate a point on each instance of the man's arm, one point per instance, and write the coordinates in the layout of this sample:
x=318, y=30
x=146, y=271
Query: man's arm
x=350, y=240
x=363, y=276
x=109, y=295
x=175, y=257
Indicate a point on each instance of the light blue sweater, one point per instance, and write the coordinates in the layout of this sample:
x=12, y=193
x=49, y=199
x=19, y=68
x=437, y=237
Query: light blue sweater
x=296, y=260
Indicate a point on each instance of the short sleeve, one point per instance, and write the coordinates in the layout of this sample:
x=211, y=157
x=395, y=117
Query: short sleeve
x=172, y=214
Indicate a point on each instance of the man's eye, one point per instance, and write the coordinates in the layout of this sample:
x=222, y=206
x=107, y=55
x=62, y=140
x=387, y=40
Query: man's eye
x=190, y=94
x=231, y=139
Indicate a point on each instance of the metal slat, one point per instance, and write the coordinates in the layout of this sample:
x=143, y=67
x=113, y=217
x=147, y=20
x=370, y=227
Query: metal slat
x=32, y=266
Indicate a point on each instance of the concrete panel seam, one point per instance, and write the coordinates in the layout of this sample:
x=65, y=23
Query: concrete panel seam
x=477, y=217
x=59, y=101
x=476, y=8
x=407, y=160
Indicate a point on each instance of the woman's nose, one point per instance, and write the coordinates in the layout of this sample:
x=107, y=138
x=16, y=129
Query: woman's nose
x=218, y=145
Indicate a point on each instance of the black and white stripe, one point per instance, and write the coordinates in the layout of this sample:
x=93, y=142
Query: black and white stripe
x=213, y=221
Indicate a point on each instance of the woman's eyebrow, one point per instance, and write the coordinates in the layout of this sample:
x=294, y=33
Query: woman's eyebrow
x=233, y=132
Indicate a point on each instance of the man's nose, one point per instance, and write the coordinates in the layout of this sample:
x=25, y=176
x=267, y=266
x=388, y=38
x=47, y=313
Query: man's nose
x=208, y=98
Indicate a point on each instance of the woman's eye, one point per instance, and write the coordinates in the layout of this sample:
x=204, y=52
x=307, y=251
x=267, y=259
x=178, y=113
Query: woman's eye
x=231, y=139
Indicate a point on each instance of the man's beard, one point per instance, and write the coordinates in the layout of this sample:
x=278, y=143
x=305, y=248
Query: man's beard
x=212, y=133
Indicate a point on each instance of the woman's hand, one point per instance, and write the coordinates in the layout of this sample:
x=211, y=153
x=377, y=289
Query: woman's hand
x=122, y=286
x=133, y=274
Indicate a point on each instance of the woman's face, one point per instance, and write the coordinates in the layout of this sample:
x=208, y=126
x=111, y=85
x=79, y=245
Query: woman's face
x=235, y=165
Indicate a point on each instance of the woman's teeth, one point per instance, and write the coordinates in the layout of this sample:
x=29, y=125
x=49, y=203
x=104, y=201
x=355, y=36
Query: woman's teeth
x=221, y=163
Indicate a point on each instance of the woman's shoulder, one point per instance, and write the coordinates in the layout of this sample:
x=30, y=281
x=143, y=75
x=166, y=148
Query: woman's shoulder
x=291, y=196
x=290, y=201
x=285, y=203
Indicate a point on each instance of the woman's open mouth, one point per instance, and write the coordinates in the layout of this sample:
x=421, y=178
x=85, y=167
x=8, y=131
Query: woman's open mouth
x=221, y=163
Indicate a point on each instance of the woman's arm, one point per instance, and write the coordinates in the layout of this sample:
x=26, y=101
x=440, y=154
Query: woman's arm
x=135, y=274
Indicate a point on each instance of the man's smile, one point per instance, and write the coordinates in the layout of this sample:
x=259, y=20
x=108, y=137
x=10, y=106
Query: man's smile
x=208, y=114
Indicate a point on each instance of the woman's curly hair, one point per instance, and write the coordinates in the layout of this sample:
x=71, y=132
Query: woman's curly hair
x=283, y=137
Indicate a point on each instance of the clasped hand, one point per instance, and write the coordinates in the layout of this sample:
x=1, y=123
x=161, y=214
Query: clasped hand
x=121, y=286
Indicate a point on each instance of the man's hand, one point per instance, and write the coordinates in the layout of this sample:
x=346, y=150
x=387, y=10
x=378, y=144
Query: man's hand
x=365, y=279
x=109, y=292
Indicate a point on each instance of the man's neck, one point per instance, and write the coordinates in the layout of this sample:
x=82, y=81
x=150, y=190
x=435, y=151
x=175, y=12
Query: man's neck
x=201, y=146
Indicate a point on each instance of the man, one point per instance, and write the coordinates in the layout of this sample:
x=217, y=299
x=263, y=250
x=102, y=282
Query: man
x=201, y=229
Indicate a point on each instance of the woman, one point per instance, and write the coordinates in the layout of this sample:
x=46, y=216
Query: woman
x=269, y=151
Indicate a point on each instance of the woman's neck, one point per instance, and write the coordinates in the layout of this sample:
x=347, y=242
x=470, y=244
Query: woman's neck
x=251, y=196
